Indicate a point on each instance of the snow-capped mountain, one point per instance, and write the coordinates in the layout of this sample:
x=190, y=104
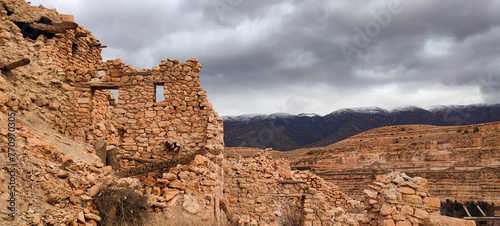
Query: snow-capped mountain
x=282, y=131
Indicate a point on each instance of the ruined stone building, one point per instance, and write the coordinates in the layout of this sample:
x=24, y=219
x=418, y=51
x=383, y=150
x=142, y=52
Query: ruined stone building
x=78, y=85
x=53, y=76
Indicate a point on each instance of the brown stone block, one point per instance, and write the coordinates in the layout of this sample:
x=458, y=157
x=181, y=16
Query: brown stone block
x=406, y=191
x=429, y=201
x=389, y=222
x=412, y=199
x=444, y=220
x=149, y=181
x=420, y=214
x=407, y=210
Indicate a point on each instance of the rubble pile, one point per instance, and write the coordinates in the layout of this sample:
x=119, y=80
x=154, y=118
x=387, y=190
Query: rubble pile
x=397, y=199
x=257, y=188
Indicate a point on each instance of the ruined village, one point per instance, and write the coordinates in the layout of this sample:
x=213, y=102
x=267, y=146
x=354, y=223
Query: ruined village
x=82, y=157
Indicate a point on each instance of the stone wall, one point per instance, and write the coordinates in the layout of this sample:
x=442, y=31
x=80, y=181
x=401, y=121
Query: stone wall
x=260, y=190
x=397, y=199
x=68, y=84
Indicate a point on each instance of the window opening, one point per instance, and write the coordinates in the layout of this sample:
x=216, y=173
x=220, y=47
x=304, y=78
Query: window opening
x=74, y=48
x=159, y=92
x=9, y=12
x=114, y=92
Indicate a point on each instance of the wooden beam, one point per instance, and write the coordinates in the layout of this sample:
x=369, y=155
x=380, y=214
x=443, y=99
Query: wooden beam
x=466, y=210
x=286, y=195
x=142, y=159
x=158, y=81
x=54, y=28
x=80, y=34
x=130, y=73
x=483, y=218
x=65, y=25
x=16, y=64
x=110, y=85
x=484, y=215
x=291, y=182
x=95, y=44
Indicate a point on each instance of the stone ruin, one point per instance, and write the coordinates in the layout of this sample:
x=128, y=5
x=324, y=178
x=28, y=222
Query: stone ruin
x=169, y=150
x=139, y=126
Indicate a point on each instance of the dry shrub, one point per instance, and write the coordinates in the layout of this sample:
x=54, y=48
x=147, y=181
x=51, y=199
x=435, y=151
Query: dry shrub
x=122, y=207
x=291, y=213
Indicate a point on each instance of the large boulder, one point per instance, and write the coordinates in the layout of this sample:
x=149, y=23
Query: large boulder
x=447, y=221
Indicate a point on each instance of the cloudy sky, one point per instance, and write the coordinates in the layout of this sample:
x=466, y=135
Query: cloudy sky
x=303, y=56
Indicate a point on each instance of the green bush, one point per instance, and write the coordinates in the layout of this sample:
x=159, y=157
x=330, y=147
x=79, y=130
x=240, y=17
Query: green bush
x=476, y=129
x=396, y=140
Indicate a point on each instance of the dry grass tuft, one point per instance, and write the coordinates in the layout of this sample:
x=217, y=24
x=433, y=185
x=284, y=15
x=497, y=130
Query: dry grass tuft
x=122, y=207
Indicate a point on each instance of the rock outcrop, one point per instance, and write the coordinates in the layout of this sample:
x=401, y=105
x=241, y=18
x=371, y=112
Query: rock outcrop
x=461, y=163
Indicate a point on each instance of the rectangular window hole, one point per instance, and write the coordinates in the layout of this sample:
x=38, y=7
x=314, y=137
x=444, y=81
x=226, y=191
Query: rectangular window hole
x=159, y=92
x=114, y=92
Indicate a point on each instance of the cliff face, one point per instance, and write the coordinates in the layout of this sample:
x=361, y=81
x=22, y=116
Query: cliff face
x=461, y=163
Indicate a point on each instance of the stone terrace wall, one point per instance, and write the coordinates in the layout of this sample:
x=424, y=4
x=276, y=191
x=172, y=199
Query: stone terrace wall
x=258, y=190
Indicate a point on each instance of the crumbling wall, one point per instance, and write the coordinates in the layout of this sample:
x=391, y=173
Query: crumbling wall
x=149, y=129
x=68, y=84
x=397, y=199
x=104, y=118
x=258, y=190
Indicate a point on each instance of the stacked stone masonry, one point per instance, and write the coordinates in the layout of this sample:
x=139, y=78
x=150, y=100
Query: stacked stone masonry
x=76, y=100
x=68, y=86
x=259, y=191
x=397, y=199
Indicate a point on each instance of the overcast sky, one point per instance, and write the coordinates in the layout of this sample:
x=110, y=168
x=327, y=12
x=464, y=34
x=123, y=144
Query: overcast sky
x=310, y=56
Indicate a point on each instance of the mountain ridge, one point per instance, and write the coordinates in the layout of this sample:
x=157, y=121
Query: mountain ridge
x=282, y=131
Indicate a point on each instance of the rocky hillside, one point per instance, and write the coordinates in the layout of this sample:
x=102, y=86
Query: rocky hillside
x=285, y=132
x=461, y=162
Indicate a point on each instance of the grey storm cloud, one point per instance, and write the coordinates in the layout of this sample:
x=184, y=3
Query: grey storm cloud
x=310, y=56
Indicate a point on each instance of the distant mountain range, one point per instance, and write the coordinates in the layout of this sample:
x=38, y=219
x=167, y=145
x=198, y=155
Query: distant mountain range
x=286, y=132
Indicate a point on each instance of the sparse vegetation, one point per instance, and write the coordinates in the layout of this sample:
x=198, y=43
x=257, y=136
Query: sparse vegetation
x=310, y=153
x=402, y=129
x=459, y=130
x=122, y=207
x=455, y=209
x=466, y=131
x=396, y=140
x=291, y=215
x=476, y=129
